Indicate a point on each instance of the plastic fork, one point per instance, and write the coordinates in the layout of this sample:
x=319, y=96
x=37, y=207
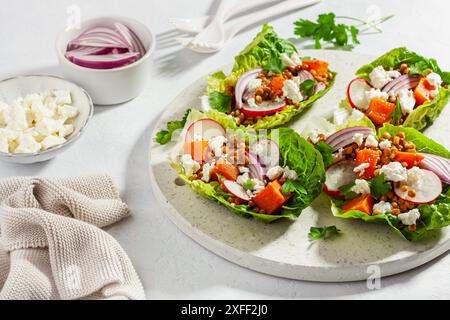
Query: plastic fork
x=195, y=25
x=216, y=37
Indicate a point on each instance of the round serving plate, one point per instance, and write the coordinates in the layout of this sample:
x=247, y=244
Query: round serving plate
x=282, y=248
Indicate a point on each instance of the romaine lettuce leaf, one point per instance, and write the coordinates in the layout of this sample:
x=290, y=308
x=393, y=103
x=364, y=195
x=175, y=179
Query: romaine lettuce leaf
x=296, y=153
x=432, y=216
x=424, y=115
x=262, y=51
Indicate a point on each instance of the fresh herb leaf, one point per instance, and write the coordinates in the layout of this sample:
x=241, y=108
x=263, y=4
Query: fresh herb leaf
x=293, y=186
x=164, y=136
x=275, y=65
x=307, y=87
x=347, y=192
x=220, y=101
x=397, y=114
x=316, y=233
x=326, y=29
x=249, y=184
x=379, y=186
x=326, y=151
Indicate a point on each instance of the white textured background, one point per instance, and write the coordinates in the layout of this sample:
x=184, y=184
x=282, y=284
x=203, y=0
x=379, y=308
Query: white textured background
x=170, y=264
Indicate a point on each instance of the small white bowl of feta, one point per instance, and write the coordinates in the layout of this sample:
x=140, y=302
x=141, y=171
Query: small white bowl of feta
x=40, y=117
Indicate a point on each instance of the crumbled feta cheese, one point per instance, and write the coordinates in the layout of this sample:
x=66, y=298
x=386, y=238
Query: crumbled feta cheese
x=275, y=172
x=291, y=90
x=27, y=144
x=4, y=114
x=216, y=144
x=434, y=79
x=384, y=144
x=254, y=84
x=382, y=207
x=356, y=115
x=394, y=171
x=314, y=135
x=340, y=116
x=36, y=122
x=289, y=174
x=380, y=77
x=360, y=169
x=407, y=100
x=243, y=169
x=375, y=93
x=415, y=174
x=242, y=178
x=258, y=185
x=339, y=155
x=361, y=187
x=206, y=171
x=371, y=141
x=66, y=111
x=51, y=141
x=252, y=103
x=292, y=61
x=358, y=138
x=409, y=218
x=62, y=97
x=190, y=166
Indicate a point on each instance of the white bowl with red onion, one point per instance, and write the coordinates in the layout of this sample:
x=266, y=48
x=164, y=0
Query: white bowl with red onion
x=110, y=57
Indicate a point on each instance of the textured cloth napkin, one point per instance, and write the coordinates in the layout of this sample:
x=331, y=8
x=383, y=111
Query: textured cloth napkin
x=51, y=244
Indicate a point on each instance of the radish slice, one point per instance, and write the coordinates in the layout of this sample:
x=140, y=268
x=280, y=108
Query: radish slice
x=263, y=109
x=439, y=165
x=204, y=129
x=241, y=86
x=338, y=175
x=236, y=190
x=356, y=93
x=267, y=153
x=427, y=189
x=345, y=136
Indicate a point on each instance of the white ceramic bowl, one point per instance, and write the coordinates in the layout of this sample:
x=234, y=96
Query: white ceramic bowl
x=111, y=86
x=12, y=88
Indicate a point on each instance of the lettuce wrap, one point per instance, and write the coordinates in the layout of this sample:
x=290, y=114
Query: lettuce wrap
x=432, y=216
x=263, y=52
x=295, y=152
x=425, y=114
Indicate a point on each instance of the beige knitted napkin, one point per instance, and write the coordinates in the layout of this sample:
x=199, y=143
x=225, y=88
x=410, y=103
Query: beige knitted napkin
x=51, y=244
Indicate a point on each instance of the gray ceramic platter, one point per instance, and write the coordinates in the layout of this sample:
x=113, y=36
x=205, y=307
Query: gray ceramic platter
x=283, y=248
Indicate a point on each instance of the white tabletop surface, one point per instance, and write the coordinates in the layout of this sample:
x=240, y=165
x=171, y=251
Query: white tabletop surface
x=170, y=264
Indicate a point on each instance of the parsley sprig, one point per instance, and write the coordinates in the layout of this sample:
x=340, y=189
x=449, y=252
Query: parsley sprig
x=328, y=30
x=316, y=233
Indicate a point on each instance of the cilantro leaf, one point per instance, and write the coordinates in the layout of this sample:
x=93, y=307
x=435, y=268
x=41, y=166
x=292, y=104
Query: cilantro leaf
x=397, y=114
x=164, y=136
x=316, y=233
x=379, y=186
x=220, y=101
x=307, y=87
x=326, y=29
x=293, y=186
x=347, y=192
x=275, y=65
x=326, y=151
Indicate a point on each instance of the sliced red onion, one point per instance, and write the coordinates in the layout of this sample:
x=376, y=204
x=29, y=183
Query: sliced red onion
x=256, y=170
x=305, y=75
x=405, y=81
x=439, y=165
x=344, y=137
x=267, y=153
x=241, y=85
x=319, y=87
x=107, y=61
x=105, y=47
